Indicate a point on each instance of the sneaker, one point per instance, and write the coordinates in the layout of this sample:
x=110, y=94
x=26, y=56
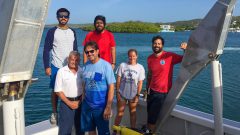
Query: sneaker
x=146, y=131
x=144, y=128
x=53, y=119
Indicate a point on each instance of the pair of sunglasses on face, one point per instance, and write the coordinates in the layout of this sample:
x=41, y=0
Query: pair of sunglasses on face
x=91, y=51
x=63, y=16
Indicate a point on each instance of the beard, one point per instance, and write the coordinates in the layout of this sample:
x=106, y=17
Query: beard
x=99, y=29
x=157, y=50
x=63, y=22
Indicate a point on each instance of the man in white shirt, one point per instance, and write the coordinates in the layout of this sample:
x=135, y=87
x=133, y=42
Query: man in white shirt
x=68, y=87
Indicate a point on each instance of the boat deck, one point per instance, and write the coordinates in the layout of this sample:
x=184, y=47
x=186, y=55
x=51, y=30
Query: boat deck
x=183, y=121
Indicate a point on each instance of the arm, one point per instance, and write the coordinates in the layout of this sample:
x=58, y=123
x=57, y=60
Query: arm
x=113, y=50
x=83, y=94
x=71, y=104
x=108, y=109
x=140, y=80
x=46, y=51
x=149, y=77
x=139, y=88
x=178, y=58
x=113, y=53
x=118, y=87
x=110, y=81
x=75, y=47
x=118, y=81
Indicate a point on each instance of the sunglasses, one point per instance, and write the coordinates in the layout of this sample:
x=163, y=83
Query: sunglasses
x=61, y=16
x=91, y=51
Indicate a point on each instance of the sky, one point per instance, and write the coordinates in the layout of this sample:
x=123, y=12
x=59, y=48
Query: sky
x=84, y=11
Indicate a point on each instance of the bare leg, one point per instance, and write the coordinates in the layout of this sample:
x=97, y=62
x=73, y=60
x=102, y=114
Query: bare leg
x=54, y=100
x=132, y=111
x=120, y=109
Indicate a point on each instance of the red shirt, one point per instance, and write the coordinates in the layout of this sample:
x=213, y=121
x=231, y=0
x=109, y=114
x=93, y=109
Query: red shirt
x=105, y=42
x=162, y=70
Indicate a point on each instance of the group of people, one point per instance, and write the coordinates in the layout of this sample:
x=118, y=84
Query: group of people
x=87, y=92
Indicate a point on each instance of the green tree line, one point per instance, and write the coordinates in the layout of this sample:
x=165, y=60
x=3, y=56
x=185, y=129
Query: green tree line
x=146, y=27
x=128, y=27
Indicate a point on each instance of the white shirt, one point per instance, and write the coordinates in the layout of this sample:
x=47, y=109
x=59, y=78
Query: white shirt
x=68, y=82
x=130, y=76
x=62, y=46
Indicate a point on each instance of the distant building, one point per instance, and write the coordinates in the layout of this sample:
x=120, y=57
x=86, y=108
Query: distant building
x=234, y=28
x=167, y=28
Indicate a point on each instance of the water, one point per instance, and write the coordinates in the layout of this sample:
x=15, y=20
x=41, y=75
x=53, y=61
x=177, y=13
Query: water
x=196, y=96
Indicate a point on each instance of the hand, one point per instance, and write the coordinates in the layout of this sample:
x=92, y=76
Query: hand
x=136, y=98
x=118, y=96
x=74, y=105
x=146, y=92
x=48, y=71
x=107, y=113
x=183, y=45
x=113, y=66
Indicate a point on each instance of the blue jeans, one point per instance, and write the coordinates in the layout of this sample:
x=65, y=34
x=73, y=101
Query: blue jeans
x=69, y=118
x=92, y=118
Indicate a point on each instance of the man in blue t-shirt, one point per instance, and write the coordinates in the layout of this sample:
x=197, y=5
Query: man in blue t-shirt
x=98, y=92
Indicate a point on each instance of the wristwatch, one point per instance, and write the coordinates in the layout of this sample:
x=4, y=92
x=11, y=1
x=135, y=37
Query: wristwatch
x=138, y=95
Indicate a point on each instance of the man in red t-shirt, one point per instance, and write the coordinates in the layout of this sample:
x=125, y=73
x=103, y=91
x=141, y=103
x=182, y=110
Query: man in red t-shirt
x=104, y=39
x=159, y=77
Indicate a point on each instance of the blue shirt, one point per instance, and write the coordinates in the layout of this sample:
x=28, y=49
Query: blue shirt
x=97, y=77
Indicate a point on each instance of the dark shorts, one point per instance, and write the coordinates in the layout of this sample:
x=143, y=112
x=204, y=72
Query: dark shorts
x=53, y=75
x=127, y=100
x=154, y=104
x=92, y=119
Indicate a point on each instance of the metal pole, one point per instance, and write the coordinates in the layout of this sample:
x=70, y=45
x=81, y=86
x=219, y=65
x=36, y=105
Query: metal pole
x=217, y=97
x=13, y=117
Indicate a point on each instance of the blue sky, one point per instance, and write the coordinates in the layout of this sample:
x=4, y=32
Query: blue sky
x=84, y=11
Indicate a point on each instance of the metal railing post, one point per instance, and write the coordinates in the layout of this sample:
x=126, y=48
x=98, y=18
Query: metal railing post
x=217, y=97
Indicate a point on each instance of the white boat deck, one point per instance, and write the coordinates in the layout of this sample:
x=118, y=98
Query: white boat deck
x=42, y=128
x=183, y=121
